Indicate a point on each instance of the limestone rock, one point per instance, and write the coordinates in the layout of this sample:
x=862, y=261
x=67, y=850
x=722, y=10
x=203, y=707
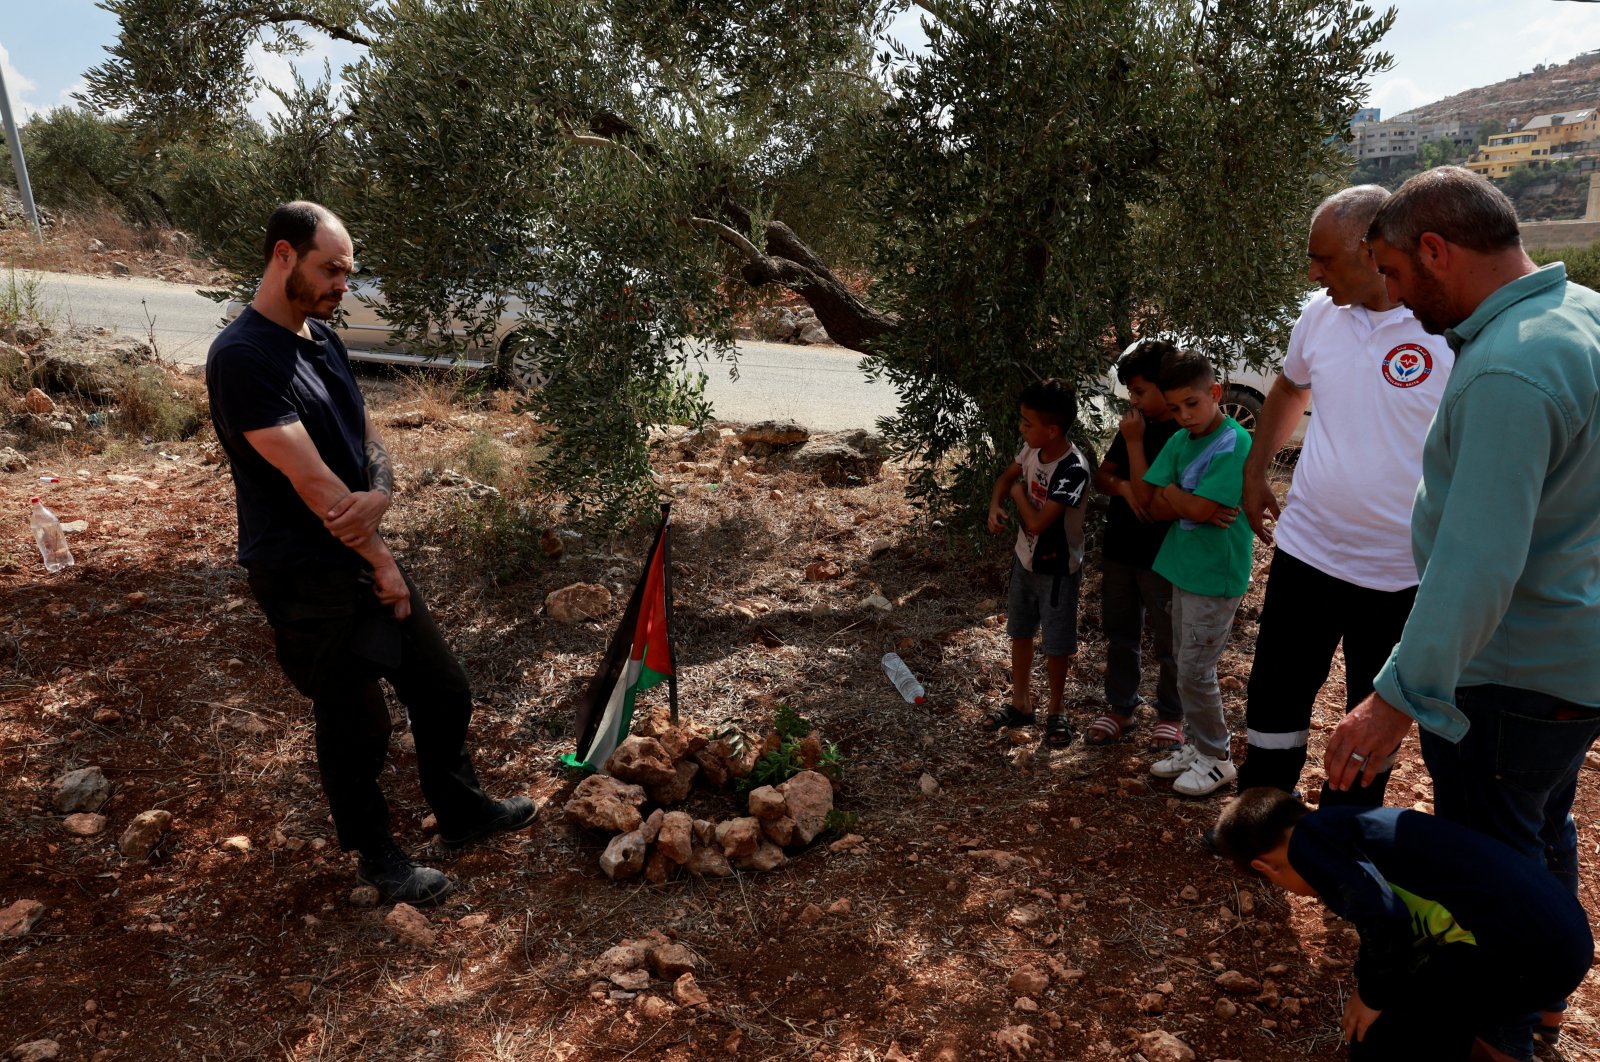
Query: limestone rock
x=822, y=571
x=688, y=993
x=36, y=401
x=658, y=867
x=144, y=833
x=705, y=832
x=652, y=826
x=739, y=837
x=19, y=919
x=773, y=433
x=676, y=838
x=767, y=803
x=1152, y=1003
x=809, y=798
x=642, y=760
x=35, y=1051
x=578, y=602
x=928, y=784
x=767, y=856
x=410, y=926
x=677, y=790
x=628, y=955
x=12, y=461
x=1162, y=1046
x=624, y=856
x=779, y=831
x=364, y=896
x=1028, y=981
x=877, y=603
x=1236, y=983
x=710, y=863
x=601, y=802
x=1017, y=1040
x=82, y=790
x=843, y=459
x=84, y=824
x=631, y=980
x=654, y=1008
x=670, y=961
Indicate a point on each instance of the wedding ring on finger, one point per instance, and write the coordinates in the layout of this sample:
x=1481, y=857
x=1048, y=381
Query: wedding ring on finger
x=1358, y=757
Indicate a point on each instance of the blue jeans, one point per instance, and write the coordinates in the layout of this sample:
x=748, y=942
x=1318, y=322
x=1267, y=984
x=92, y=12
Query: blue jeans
x=1513, y=776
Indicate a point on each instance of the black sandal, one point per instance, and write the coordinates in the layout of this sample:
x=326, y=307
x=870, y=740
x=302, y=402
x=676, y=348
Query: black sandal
x=1058, y=732
x=1007, y=715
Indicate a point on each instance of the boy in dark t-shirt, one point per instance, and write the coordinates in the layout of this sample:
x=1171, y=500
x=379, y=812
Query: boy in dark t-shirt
x=1460, y=934
x=1130, y=591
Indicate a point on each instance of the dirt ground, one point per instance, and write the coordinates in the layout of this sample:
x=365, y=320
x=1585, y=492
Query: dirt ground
x=150, y=660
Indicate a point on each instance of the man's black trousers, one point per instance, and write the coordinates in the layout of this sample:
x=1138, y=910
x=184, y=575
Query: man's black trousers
x=1306, y=614
x=335, y=642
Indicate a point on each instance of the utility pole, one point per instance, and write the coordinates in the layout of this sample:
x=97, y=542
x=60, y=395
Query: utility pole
x=14, y=138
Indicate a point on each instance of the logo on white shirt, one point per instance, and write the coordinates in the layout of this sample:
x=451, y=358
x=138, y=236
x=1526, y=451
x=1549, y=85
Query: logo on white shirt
x=1407, y=365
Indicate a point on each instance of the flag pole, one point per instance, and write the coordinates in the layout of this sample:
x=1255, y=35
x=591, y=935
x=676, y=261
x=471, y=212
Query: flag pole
x=666, y=571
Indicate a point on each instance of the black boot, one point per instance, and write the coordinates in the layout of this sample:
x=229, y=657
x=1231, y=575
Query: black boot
x=399, y=880
x=512, y=814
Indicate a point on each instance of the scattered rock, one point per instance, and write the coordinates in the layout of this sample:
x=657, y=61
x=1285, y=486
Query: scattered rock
x=84, y=824
x=36, y=401
x=928, y=784
x=1152, y=1003
x=35, y=1051
x=601, y=802
x=1227, y=1008
x=1028, y=916
x=12, y=461
x=1028, y=981
x=773, y=433
x=822, y=571
x=688, y=993
x=239, y=843
x=840, y=906
x=624, y=856
x=654, y=1008
x=410, y=926
x=813, y=333
x=1247, y=902
x=670, y=961
x=877, y=602
x=739, y=837
x=810, y=915
x=19, y=919
x=144, y=833
x=120, y=269
x=848, y=843
x=1017, y=1040
x=107, y=717
x=1189, y=894
x=578, y=602
x=676, y=838
x=1162, y=1046
x=364, y=896
x=642, y=760
x=809, y=798
x=82, y=790
x=1236, y=983
x=138, y=598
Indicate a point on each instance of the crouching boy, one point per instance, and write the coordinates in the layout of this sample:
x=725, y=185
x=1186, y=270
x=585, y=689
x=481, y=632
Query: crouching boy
x=1460, y=934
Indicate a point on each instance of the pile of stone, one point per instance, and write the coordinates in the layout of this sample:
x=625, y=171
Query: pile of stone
x=659, y=766
x=628, y=969
x=781, y=324
x=81, y=794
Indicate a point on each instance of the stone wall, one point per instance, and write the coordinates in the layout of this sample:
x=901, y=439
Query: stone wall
x=1543, y=234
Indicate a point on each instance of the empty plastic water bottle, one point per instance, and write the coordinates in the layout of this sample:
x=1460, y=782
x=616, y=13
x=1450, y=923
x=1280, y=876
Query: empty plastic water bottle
x=903, y=679
x=51, y=539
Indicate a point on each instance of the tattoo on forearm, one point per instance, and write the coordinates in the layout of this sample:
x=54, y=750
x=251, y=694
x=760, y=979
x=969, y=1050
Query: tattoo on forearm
x=380, y=476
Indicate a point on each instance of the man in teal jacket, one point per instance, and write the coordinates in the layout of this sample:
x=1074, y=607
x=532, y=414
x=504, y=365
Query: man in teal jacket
x=1500, y=660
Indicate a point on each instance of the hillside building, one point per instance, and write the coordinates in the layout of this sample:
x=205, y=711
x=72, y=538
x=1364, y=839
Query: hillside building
x=1563, y=135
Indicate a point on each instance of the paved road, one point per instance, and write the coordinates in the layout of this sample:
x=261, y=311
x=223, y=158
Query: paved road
x=821, y=387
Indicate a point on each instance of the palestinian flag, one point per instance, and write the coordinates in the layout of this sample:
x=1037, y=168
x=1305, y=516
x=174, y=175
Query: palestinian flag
x=640, y=656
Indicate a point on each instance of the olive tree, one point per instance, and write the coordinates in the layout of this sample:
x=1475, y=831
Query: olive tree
x=1041, y=183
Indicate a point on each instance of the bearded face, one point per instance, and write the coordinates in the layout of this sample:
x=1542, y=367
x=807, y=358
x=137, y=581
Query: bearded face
x=306, y=294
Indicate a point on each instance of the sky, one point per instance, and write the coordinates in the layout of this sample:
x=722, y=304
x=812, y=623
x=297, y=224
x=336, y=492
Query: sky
x=1440, y=47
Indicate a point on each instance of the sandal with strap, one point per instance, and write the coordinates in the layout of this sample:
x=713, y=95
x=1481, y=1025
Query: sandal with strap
x=1007, y=715
x=1108, y=730
x=1058, y=732
x=1166, y=737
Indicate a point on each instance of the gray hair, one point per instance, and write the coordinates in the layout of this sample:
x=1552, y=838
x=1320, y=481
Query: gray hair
x=1352, y=208
x=1453, y=203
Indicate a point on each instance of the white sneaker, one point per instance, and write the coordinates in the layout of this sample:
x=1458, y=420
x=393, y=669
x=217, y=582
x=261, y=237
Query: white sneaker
x=1204, y=776
x=1176, y=763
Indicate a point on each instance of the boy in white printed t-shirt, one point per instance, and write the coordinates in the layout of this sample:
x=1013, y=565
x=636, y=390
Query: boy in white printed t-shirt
x=1048, y=484
x=1342, y=569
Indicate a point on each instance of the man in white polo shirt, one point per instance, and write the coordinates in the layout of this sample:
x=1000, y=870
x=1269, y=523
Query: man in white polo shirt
x=1342, y=568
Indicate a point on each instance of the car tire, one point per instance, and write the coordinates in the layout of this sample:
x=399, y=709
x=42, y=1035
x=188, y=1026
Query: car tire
x=1243, y=406
x=519, y=364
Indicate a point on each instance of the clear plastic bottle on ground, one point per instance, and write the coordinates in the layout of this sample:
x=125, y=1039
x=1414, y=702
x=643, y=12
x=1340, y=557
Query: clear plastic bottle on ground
x=903, y=679
x=51, y=539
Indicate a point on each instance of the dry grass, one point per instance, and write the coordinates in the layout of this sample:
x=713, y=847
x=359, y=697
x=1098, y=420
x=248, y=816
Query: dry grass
x=154, y=252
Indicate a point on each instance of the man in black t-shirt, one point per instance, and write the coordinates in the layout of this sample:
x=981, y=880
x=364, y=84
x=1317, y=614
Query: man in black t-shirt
x=313, y=481
x=1130, y=591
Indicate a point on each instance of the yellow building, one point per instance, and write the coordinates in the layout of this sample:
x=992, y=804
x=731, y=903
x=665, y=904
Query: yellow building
x=1536, y=141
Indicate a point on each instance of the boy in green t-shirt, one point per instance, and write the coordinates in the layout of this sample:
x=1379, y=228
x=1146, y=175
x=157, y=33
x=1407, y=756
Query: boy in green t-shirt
x=1196, y=481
